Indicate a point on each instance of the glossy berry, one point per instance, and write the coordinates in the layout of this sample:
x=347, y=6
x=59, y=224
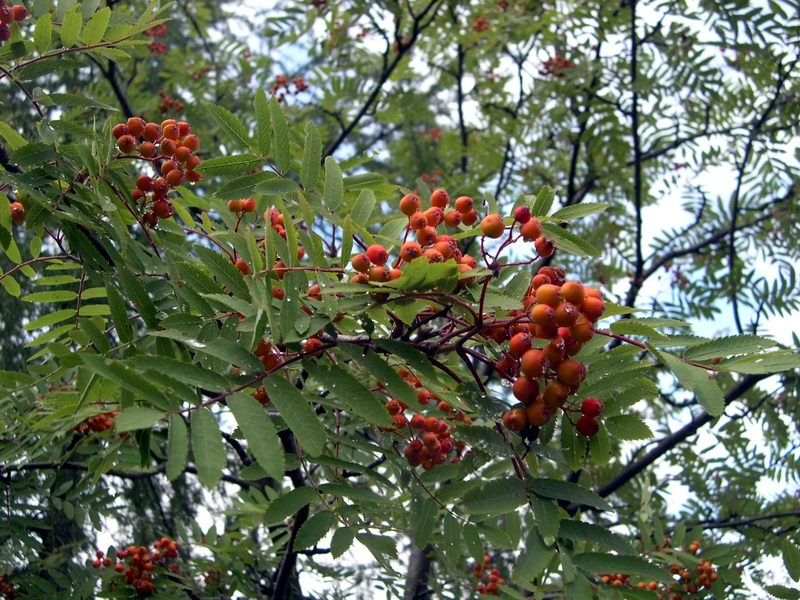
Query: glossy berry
x=519, y=344
x=464, y=204
x=591, y=407
x=525, y=389
x=531, y=230
x=136, y=126
x=18, y=213
x=573, y=292
x=534, y=363
x=409, y=204
x=587, y=426
x=515, y=419
x=571, y=372
x=522, y=214
x=492, y=226
x=545, y=246
x=120, y=130
x=242, y=266
x=469, y=218
x=313, y=347
x=126, y=143
x=549, y=294
x=440, y=198
x=360, y=262
x=377, y=254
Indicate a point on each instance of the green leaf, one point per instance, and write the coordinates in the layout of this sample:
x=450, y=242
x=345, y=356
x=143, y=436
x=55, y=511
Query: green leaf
x=782, y=592
x=228, y=351
x=791, y=558
x=532, y=561
x=280, y=132
x=177, y=447
x=289, y=504
x=341, y=541
x=759, y=364
x=563, y=490
x=595, y=562
x=354, y=493
x=569, y=242
x=276, y=186
x=613, y=310
x=495, y=497
x=576, y=211
x=451, y=533
x=119, y=313
x=547, y=514
x=137, y=417
x=695, y=380
x=227, y=165
x=121, y=374
x=51, y=296
x=97, y=25
x=375, y=365
x=381, y=546
x=71, y=26
x=543, y=201
x=207, y=448
x=50, y=319
x=182, y=371
x=230, y=123
x=578, y=530
x=628, y=427
x=472, y=540
x=261, y=435
x=224, y=272
x=357, y=398
x=728, y=346
x=629, y=327
x=312, y=157
x=244, y=186
x=314, y=529
x=334, y=185
x=297, y=413
x=43, y=33
x=423, y=519
x=263, y=127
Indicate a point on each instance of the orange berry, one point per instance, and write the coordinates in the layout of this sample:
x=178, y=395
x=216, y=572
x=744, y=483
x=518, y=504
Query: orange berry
x=174, y=178
x=555, y=394
x=409, y=204
x=571, y=372
x=192, y=142
x=440, y=198
x=464, y=204
x=581, y=331
x=542, y=314
x=172, y=132
x=18, y=213
x=126, y=144
x=515, y=419
x=182, y=153
x=492, y=226
x=452, y=218
x=152, y=132
x=531, y=230
x=545, y=247
x=426, y=236
x=519, y=344
x=120, y=130
x=379, y=273
x=434, y=215
x=168, y=147
x=249, y=205
x=539, y=413
x=410, y=250
x=566, y=314
x=573, y=292
x=147, y=149
x=534, y=363
x=242, y=266
x=136, y=126
x=360, y=262
x=593, y=308
x=549, y=294
x=525, y=389
x=417, y=221
x=433, y=255
x=377, y=254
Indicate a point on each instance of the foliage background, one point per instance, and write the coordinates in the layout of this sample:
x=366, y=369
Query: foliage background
x=688, y=131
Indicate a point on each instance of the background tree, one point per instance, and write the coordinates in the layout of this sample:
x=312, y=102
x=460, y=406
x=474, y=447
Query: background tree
x=682, y=119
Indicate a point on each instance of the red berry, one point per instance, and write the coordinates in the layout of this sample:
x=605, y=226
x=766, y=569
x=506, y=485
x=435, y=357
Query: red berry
x=591, y=407
x=522, y=214
x=377, y=254
x=587, y=426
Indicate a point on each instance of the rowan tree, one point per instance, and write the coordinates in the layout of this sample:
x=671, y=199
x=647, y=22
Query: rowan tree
x=419, y=299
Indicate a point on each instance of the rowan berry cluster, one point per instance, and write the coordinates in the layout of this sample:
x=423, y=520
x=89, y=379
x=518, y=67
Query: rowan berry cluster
x=6, y=589
x=481, y=24
x=432, y=442
x=138, y=563
x=557, y=66
x=283, y=85
x=18, y=213
x=429, y=243
x=530, y=230
x=8, y=15
x=170, y=104
x=563, y=313
x=684, y=582
x=97, y=423
x=158, y=31
x=170, y=148
x=489, y=578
